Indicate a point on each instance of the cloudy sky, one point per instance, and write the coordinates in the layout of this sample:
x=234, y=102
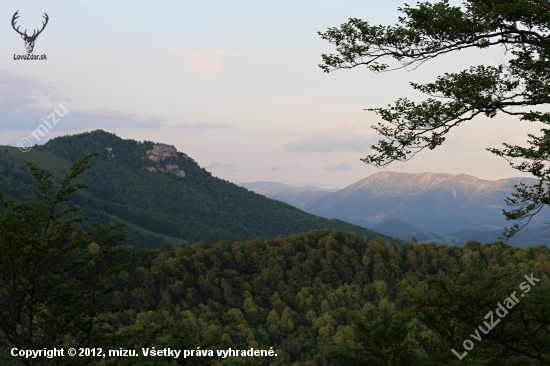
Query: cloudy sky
x=234, y=84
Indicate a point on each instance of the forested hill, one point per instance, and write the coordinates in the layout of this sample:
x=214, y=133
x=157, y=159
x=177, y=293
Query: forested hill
x=165, y=191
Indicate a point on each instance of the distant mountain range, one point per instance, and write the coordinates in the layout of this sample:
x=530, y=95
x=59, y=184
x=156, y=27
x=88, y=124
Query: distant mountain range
x=445, y=208
x=281, y=188
x=295, y=196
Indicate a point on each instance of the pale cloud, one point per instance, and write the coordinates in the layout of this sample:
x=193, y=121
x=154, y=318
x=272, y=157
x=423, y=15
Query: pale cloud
x=227, y=168
x=197, y=126
x=342, y=167
x=210, y=61
x=350, y=127
x=326, y=144
x=274, y=169
x=17, y=91
x=346, y=136
x=23, y=104
x=56, y=98
x=99, y=118
x=498, y=140
x=76, y=119
x=202, y=62
x=215, y=165
x=22, y=108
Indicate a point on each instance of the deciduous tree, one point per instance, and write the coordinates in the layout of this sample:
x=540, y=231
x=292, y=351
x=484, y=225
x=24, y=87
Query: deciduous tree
x=519, y=87
x=54, y=275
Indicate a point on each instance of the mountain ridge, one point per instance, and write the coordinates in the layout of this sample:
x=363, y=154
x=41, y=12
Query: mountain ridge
x=157, y=188
x=419, y=182
x=436, y=203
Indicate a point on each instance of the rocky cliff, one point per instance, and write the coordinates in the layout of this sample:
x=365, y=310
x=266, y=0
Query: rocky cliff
x=160, y=153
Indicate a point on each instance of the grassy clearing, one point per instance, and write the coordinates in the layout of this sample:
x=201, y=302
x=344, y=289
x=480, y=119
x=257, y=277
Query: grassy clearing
x=172, y=239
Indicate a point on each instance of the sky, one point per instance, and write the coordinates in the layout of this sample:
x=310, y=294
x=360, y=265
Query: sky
x=233, y=84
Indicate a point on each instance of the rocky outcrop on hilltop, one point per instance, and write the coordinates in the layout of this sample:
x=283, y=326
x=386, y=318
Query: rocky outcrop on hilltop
x=160, y=153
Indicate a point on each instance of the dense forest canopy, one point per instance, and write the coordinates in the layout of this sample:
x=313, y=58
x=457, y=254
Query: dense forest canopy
x=317, y=298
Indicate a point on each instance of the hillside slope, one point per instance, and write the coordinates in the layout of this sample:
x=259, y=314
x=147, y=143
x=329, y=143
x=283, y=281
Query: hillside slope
x=164, y=191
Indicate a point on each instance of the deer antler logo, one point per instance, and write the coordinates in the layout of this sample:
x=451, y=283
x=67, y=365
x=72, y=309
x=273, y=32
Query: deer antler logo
x=29, y=40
